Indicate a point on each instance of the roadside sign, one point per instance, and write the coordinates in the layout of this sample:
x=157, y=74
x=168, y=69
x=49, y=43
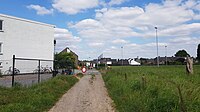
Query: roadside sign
x=83, y=69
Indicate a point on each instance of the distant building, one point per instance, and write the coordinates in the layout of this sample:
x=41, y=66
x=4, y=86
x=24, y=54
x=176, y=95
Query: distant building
x=106, y=61
x=116, y=62
x=171, y=60
x=123, y=62
x=162, y=60
x=133, y=62
x=142, y=61
x=89, y=64
x=74, y=54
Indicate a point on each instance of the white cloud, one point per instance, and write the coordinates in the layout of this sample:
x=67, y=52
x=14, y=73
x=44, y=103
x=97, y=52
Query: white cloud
x=154, y=44
x=119, y=16
x=64, y=38
x=116, y=2
x=132, y=45
x=151, y=15
x=185, y=40
x=190, y=3
x=173, y=18
x=164, y=15
x=96, y=44
x=133, y=21
x=87, y=24
x=41, y=10
x=74, y=6
x=197, y=7
x=181, y=30
x=119, y=41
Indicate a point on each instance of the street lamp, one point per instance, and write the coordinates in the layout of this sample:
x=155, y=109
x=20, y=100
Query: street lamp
x=122, y=54
x=166, y=54
x=54, y=42
x=156, y=28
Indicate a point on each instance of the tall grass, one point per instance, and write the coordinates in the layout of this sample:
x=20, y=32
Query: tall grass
x=37, y=98
x=152, y=89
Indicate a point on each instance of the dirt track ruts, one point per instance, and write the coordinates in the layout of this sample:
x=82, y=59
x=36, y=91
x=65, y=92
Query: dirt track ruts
x=88, y=95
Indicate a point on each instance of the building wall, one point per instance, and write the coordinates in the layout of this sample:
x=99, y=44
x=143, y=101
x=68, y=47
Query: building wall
x=27, y=39
x=74, y=54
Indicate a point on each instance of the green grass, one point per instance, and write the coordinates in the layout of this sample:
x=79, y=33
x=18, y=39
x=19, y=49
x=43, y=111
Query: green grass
x=152, y=89
x=38, y=98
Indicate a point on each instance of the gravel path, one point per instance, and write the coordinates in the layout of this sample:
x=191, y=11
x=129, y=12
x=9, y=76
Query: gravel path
x=88, y=95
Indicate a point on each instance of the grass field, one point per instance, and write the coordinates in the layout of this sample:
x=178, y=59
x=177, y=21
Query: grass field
x=152, y=89
x=37, y=98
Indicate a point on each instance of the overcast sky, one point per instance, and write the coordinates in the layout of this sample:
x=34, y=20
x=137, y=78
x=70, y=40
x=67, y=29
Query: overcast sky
x=93, y=27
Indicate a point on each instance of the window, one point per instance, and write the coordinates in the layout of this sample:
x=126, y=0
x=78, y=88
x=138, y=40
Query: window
x=1, y=66
x=1, y=25
x=0, y=48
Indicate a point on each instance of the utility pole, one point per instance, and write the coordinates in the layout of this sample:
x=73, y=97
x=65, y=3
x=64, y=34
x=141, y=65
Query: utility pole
x=54, y=53
x=122, y=55
x=166, y=54
x=156, y=28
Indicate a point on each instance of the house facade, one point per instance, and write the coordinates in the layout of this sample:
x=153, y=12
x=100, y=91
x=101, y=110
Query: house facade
x=73, y=53
x=25, y=39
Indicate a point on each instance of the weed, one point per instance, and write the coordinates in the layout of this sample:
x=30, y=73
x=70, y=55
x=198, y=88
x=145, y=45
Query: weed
x=80, y=75
x=163, y=89
x=93, y=77
x=38, y=98
x=136, y=86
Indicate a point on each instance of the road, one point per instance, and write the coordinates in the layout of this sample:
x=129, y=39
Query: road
x=91, y=71
x=88, y=95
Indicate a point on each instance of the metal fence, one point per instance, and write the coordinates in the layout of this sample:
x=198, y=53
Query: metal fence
x=25, y=71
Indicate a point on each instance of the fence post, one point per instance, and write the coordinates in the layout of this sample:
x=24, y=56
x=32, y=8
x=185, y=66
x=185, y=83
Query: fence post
x=125, y=76
x=13, y=71
x=39, y=71
x=54, y=71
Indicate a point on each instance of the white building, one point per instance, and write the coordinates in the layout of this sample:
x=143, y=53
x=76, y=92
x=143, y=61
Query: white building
x=133, y=62
x=25, y=39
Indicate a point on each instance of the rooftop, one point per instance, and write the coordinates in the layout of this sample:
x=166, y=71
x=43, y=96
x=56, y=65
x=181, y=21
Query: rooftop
x=26, y=20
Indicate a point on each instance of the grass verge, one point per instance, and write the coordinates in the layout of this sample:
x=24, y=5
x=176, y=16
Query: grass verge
x=38, y=98
x=152, y=89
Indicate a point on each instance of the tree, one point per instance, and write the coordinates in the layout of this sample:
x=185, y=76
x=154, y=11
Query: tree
x=198, y=53
x=64, y=60
x=181, y=53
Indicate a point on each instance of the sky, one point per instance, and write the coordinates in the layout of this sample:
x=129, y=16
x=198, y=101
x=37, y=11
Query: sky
x=116, y=27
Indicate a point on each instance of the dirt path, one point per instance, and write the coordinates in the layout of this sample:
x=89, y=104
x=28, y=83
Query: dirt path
x=88, y=95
